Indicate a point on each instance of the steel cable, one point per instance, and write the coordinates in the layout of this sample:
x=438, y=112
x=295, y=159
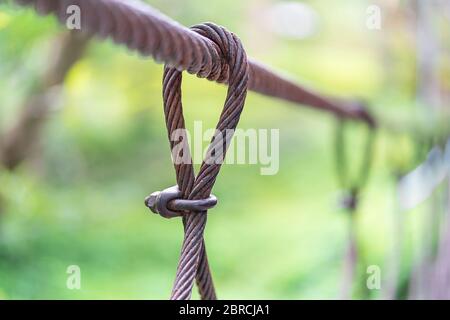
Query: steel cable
x=209, y=52
x=141, y=28
x=353, y=185
x=193, y=261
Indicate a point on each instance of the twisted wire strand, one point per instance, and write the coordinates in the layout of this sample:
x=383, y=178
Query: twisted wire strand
x=184, y=171
x=193, y=261
x=141, y=28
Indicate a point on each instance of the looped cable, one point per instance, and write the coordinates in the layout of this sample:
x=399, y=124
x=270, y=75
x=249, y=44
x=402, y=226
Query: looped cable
x=193, y=263
x=141, y=28
x=352, y=184
x=349, y=182
x=168, y=203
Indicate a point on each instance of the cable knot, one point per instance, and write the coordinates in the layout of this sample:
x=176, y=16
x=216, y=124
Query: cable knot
x=227, y=62
x=169, y=203
x=224, y=51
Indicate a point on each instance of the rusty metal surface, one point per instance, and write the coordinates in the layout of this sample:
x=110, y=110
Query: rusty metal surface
x=193, y=261
x=142, y=28
x=169, y=203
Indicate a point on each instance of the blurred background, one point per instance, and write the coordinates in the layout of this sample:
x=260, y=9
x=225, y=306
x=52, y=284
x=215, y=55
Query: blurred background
x=83, y=141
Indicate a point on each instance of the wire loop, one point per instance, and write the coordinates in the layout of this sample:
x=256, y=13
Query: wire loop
x=352, y=184
x=168, y=203
x=193, y=263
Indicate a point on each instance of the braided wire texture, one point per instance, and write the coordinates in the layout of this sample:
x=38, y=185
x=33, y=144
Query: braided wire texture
x=193, y=262
x=142, y=28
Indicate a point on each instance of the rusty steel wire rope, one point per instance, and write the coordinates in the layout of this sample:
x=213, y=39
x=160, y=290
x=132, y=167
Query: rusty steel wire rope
x=144, y=29
x=193, y=262
x=210, y=52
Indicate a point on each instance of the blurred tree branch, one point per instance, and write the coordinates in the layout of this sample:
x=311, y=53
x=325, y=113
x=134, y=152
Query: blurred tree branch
x=18, y=141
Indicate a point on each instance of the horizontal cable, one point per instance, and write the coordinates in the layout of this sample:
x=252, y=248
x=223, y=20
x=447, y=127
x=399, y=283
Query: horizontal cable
x=142, y=28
